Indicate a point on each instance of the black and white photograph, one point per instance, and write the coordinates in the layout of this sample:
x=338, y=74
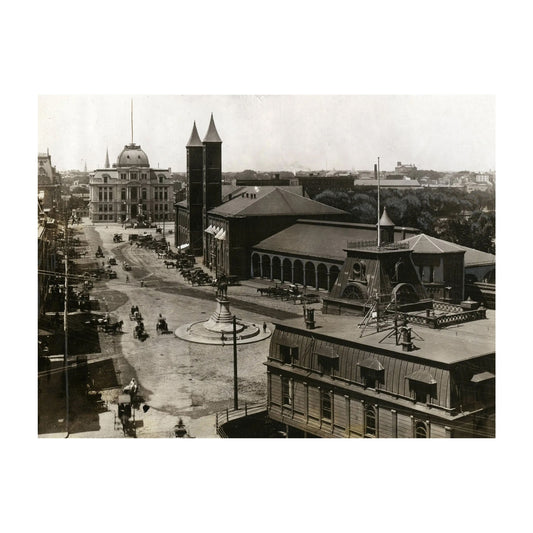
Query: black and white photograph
x=260, y=292
x=267, y=266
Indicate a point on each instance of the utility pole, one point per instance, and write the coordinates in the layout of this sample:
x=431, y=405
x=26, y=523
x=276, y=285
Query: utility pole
x=65, y=326
x=235, y=388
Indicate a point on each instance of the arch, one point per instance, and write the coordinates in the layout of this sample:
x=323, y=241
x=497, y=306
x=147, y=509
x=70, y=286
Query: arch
x=333, y=275
x=310, y=274
x=298, y=276
x=490, y=276
x=470, y=278
x=370, y=421
x=286, y=270
x=405, y=293
x=355, y=291
x=256, y=265
x=265, y=262
x=421, y=430
x=276, y=267
x=322, y=276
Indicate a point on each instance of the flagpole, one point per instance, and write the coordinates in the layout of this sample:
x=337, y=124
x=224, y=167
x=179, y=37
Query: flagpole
x=379, y=209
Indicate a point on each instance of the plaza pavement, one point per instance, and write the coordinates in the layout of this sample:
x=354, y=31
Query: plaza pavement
x=177, y=379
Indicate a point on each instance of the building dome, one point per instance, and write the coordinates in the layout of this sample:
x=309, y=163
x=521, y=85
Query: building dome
x=132, y=156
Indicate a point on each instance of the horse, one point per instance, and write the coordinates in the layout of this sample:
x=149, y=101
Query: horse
x=161, y=326
x=115, y=328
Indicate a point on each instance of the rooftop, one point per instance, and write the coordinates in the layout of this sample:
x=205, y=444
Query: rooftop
x=448, y=345
x=273, y=201
x=424, y=244
x=320, y=238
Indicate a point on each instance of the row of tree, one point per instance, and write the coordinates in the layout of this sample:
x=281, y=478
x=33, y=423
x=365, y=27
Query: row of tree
x=455, y=215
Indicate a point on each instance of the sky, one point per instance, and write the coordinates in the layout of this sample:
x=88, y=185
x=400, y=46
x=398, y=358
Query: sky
x=267, y=133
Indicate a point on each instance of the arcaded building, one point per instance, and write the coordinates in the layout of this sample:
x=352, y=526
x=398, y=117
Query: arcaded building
x=131, y=190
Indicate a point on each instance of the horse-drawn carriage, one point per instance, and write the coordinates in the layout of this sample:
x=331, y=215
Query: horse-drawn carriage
x=117, y=237
x=112, y=261
x=126, y=266
x=139, y=332
x=161, y=327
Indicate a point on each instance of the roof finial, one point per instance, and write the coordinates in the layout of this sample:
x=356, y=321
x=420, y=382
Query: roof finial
x=194, y=139
x=212, y=133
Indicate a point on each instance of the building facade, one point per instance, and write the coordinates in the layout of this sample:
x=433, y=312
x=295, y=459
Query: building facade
x=131, y=190
x=48, y=183
x=331, y=382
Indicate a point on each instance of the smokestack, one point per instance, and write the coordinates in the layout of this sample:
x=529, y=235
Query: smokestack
x=375, y=171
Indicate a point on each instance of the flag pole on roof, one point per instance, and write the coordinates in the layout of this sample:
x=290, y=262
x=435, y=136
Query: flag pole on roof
x=377, y=172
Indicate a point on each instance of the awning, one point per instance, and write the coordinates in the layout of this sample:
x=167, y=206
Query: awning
x=221, y=235
x=183, y=246
x=210, y=229
x=328, y=353
x=482, y=376
x=371, y=364
x=422, y=376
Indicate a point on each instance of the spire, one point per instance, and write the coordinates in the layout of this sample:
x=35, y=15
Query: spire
x=106, y=158
x=385, y=219
x=85, y=167
x=195, y=138
x=212, y=134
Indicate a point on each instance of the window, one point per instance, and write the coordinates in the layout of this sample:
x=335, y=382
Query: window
x=143, y=175
x=100, y=194
x=370, y=421
x=423, y=386
x=328, y=360
x=157, y=207
x=288, y=354
x=123, y=194
x=286, y=391
x=143, y=194
x=359, y=271
x=123, y=176
x=100, y=208
x=134, y=175
x=166, y=195
x=166, y=207
x=372, y=378
x=421, y=430
x=110, y=195
x=105, y=179
x=325, y=405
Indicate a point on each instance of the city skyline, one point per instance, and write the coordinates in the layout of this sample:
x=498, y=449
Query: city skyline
x=269, y=133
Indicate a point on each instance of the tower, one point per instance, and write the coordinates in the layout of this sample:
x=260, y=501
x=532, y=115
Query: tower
x=195, y=196
x=386, y=228
x=212, y=171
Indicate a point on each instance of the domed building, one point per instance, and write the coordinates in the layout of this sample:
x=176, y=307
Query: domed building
x=131, y=190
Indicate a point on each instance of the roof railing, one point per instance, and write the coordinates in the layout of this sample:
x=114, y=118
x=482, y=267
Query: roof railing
x=374, y=244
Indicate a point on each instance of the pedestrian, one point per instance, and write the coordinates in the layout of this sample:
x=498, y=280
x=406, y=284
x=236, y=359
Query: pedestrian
x=264, y=327
x=127, y=278
x=142, y=283
x=222, y=338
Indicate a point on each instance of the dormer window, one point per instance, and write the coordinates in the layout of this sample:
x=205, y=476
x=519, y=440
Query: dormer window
x=372, y=373
x=422, y=386
x=359, y=271
x=328, y=360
